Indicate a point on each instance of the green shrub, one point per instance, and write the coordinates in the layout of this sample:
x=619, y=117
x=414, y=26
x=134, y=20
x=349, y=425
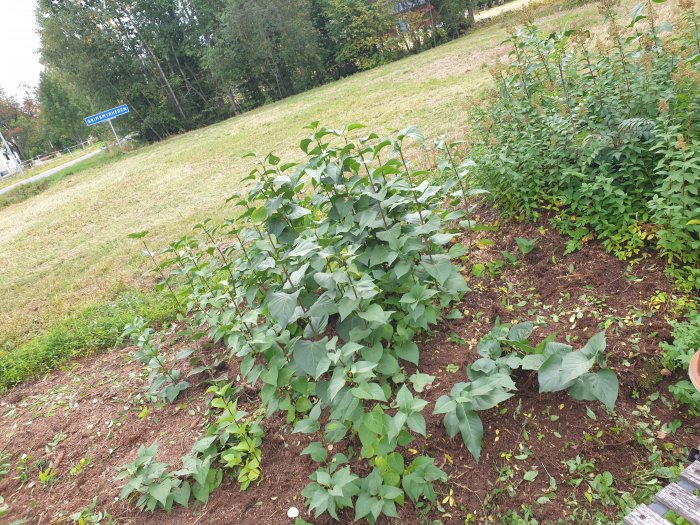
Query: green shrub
x=320, y=286
x=604, y=137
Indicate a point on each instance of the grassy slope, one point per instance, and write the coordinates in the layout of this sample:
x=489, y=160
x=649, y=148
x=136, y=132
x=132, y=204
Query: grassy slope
x=68, y=246
x=31, y=189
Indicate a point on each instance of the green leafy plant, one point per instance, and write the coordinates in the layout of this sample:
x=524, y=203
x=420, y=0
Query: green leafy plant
x=320, y=286
x=149, y=482
x=5, y=462
x=505, y=349
x=79, y=466
x=331, y=490
x=602, y=488
x=237, y=436
x=88, y=516
x=165, y=382
x=526, y=245
x=48, y=476
x=677, y=355
x=231, y=443
x=24, y=468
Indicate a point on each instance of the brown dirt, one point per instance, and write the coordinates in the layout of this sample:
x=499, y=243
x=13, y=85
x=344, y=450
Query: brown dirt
x=96, y=407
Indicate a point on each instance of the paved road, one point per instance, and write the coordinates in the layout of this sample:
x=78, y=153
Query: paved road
x=50, y=172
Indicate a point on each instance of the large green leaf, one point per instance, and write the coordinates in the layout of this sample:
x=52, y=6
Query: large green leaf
x=551, y=374
x=444, y=405
x=369, y=391
x=375, y=314
x=466, y=422
x=303, y=248
x=161, y=491
x=408, y=351
x=602, y=385
x=259, y=215
x=574, y=365
x=595, y=346
x=312, y=357
x=282, y=306
x=520, y=332
x=316, y=451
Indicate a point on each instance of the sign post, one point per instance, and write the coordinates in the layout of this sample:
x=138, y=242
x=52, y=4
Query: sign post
x=108, y=115
x=116, y=137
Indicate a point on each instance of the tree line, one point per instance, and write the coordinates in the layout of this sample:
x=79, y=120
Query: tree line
x=181, y=64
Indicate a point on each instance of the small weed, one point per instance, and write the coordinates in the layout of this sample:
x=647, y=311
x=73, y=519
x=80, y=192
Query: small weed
x=5, y=462
x=526, y=246
x=88, y=516
x=79, y=466
x=48, y=476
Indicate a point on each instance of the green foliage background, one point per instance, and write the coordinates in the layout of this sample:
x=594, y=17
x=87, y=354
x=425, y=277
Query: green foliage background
x=602, y=136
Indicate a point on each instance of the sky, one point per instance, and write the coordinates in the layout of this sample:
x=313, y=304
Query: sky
x=19, y=44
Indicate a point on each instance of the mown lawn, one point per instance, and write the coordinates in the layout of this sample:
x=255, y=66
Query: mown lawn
x=67, y=247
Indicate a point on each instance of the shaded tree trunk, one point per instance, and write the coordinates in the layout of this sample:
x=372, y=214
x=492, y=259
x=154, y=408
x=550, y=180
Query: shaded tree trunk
x=471, y=8
x=168, y=88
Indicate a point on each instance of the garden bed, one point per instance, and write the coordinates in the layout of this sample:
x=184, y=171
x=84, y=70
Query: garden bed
x=96, y=410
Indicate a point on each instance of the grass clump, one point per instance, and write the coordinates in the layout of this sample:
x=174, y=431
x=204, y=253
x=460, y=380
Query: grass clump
x=92, y=329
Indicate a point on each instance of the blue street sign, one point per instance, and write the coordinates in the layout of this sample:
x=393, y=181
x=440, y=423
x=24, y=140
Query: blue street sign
x=107, y=115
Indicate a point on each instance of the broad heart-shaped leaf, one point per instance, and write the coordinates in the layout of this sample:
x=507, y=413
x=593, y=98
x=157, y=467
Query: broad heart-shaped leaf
x=370, y=391
x=316, y=451
x=520, y=332
x=324, y=305
x=465, y=421
x=312, y=357
x=595, y=347
x=559, y=371
x=532, y=362
x=574, y=365
x=297, y=212
x=161, y=491
x=602, y=385
x=408, y=351
x=303, y=248
x=259, y=215
x=181, y=495
x=296, y=276
x=375, y=314
x=282, y=306
x=549, y=374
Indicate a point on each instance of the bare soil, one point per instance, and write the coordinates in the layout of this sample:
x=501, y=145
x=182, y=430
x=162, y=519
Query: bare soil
x=95, y=407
